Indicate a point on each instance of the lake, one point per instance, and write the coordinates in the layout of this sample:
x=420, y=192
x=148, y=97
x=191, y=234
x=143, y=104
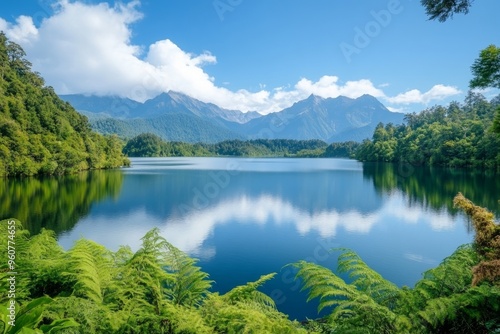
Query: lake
x=246, y=217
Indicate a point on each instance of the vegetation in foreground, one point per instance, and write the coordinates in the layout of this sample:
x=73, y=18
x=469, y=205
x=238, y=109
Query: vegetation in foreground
x=40, y=133
x=159, y=289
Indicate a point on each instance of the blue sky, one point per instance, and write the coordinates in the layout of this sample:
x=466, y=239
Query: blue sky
x=259, y=55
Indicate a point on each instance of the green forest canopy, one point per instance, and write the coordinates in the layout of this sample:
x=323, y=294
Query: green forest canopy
x=40, y=133
x=459, y=135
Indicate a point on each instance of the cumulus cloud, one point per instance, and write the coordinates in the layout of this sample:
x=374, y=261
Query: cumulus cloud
x=23, y=31
x=87, y=48
x=436, y=93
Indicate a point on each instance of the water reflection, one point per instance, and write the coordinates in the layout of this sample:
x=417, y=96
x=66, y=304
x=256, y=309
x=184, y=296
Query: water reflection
x=56, y=203
x=190, y=231
x=435, y=187
x=247, y=217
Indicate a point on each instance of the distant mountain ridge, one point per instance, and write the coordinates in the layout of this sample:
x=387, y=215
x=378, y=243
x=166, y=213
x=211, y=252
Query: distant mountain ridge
x=176, y=116
x=171, y=102
x=330, y=119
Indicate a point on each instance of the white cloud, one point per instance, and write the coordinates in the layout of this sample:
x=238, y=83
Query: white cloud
x=85, y=48
x=327, y=86
x=436, y=93
x=23, y=31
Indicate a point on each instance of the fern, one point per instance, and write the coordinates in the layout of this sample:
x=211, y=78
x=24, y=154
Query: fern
x=28, y=317
x=245, y=316
x=438, y=310
x=355, y=309
x=471, y=309
x=443, y=300
x=91, y=267
x=324, y=284
x=453, y=275
x=140, y=287
x=186, y=283
x=249, y=293
x=366, y=279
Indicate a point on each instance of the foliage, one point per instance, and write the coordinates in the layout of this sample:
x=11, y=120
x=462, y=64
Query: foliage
x=486, y=72
x=159, y=289
x=244, y=309
x=486, y=240
x=444, y=9
x=443, y=301
x=266, y=147
x=39, y=133
x=28, y=317
x=366, y=305
x=486, y=69
x=455, y=136
x=341, y=150
x=150, y=145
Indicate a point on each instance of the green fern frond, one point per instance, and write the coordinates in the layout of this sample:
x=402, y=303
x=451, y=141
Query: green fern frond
x=453, y=275
x=438, y=310
x=44, y=245
x=366, y=279
x=245, y=316
x=367, y=308
x=322, y=283
x=91, y=267
x=140, y=285
x=187, y=284
x=249, y=292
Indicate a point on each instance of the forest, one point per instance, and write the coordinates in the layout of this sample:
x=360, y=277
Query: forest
x=459, y=135
x=160, y=289
x=151, y=145
x=40, y=133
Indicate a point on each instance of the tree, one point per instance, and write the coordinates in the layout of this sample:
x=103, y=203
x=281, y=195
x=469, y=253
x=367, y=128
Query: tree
x=486, y=69
x=444, y=9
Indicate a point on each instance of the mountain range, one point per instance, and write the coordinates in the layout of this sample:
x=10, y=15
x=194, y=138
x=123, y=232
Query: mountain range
x=178, y=117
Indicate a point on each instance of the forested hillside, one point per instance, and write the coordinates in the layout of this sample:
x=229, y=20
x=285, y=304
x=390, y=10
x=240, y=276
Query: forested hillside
x=459, y=135
x=40, y=133
x=151, y=145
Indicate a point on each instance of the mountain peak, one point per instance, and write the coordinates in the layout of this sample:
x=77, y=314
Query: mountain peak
x=315, y=99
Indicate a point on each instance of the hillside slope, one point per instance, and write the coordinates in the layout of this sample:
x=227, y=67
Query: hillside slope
x=40, y=133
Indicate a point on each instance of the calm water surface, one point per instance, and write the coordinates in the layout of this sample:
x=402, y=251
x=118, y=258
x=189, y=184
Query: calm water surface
x=247, y=217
